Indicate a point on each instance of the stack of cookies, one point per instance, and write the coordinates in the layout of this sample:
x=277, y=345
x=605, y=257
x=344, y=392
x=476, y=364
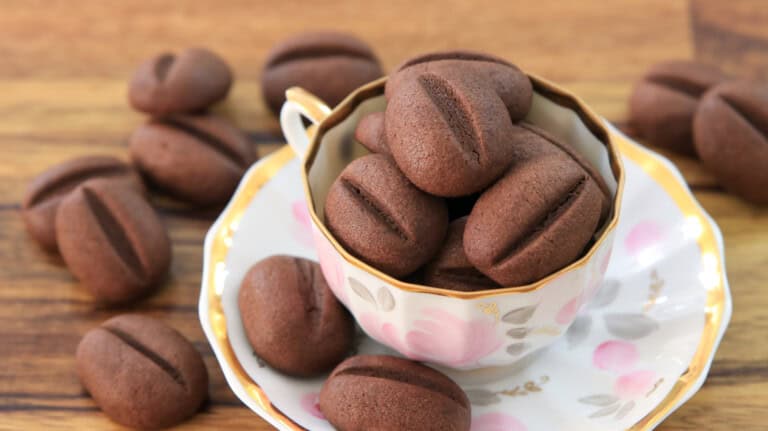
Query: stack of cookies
x=460, y=191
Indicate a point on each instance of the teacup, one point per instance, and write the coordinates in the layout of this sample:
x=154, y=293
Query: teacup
x=462, y=330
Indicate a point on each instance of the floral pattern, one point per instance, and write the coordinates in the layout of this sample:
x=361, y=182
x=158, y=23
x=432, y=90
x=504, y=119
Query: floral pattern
x=631, y=385
x=644, y=235
x=311, y=404
x=442, y=337
x=568, y=311
x=303, y=225
x=615, y=355
x=438, y=336
x=496, y=422
x=331, y=265
x=634, y=384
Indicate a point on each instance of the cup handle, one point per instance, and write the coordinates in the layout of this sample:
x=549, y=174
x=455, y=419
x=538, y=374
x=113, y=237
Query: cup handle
x=301, y=103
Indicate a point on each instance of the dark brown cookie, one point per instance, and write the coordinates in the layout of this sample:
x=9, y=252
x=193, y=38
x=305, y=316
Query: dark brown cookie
x=535, y=220
x=141, y=372
x=190, y=82
x=663, y=102
x=328, y=65
x=198, y=159
x=370, y=133
x=370, y=392
x=512, y=85
x=536, y=141
x=49, y=188
x=380, y=217
x=450, y=268
x=112, y=241
x=292, y=319
x=731, y=135
x=450, y=137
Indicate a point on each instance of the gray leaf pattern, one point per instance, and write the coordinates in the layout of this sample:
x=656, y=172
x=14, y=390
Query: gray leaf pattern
x=385, y=299
x=605, y=411
x=482, y=397
x=579, y=330
x=599, y=399
x=361, y=291
x=606, y=294
x=518, y=316
x=516, y=349
x=624, y=410
x=518, y=333
x=630, y=326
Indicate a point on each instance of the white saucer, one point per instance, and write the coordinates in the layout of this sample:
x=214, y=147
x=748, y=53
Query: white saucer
x=631, y=358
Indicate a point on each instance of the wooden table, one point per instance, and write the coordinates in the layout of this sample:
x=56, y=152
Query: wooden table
x=63, y=69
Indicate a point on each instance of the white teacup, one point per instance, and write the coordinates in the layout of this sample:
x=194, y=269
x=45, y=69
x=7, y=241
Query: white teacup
x=463, y=330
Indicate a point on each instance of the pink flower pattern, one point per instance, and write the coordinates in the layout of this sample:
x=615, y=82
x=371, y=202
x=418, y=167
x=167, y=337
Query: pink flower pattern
x=615, y=355
x=644, y=235
x=444, y=338
x=303, y=226
x=568, y=311
x=330, y=263
x=620, y=357
x=310, y=403
x=439, y=337
x=635, y=384
x=385, y=333
x=496, y=422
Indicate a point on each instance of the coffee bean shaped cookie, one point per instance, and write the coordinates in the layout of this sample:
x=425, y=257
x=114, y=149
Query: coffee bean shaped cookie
x=535, y=220
x=49, y=188
x=112, y=241
x=198, y=159
x=370, y=133
x=450, y=137
x=292, y=319
x=663, y=102
x=532, y=138
x=510, y=83
x=370, y=392
x=450, y=268
x=170, y=84
x=731, y=135
x=328, y=65
x=380, y=217
x=141, y=372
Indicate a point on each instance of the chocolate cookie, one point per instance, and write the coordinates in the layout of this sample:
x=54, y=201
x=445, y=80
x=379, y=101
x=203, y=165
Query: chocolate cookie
x=731, y=135
x=328, y=65
x=663, y=102
x=190, y=82
x=512, y=85
x=291, y=318
x=450, y=137
x=535, y=139
x=380, y=217
x=535, y=220
x=48, y=189
x=370, y=133
x=198, y=159
x=141, y=372
x=112, y=241
x=387, y=393
x=450, y=268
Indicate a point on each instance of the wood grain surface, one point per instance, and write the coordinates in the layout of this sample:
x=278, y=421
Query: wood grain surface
x=63, y=71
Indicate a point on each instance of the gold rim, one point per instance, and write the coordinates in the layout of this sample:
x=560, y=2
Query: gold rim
x=653, y=167
x=542, y=87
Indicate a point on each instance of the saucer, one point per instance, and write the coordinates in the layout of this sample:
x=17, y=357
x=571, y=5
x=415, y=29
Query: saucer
x=634, y=355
